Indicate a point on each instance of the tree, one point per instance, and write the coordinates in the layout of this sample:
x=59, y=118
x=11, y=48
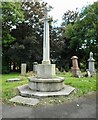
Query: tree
x=69, y=18
x=83, y=33
x=12, y=14
x=23, y=48
x=28, y=44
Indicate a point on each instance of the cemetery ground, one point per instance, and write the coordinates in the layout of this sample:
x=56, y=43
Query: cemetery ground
x=82, y=86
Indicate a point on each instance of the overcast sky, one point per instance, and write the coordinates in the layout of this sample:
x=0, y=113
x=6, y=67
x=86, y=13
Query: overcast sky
x=61, y=6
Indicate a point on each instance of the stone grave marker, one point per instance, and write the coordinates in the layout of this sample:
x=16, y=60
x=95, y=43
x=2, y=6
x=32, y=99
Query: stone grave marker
x=23, y=69
x=75, y=69
x=91, y=66
x=88, y=73
x=35, y=67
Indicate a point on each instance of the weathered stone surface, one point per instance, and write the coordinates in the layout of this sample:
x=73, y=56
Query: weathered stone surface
x=88, y=73
x=91, y=66
x=12, y=80
x=23, y=69
x=75, y=67
x=46, y=40
x=25, y=91
x=25, y=101
x=35, y=67
x=46, y=85
x=46, y=80
x=46, y=70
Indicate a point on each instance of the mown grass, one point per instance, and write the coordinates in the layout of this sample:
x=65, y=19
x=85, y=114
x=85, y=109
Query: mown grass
x=82, y=86
x=8, y=88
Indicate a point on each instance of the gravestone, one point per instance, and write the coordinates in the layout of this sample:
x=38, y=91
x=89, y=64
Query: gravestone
x=23, y=69
x=75, y=69
x=35, y=67
x=91, y=66
x=88, y=73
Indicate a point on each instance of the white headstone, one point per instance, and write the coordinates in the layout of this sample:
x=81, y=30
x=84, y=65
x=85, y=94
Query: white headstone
x=88, y=73
x=35, y=64
x=23, y=69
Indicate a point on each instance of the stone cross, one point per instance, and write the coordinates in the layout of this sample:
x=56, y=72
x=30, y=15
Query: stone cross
x=91, y=61
x=46, y=42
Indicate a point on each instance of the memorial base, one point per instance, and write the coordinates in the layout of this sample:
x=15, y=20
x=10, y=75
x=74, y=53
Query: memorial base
x=75, y=71
x=46, y=85
x=26, y=92
x=46, y=71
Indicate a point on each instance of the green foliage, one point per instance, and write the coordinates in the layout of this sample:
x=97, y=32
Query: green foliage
x=28, y=44
x=67, y=49
x=70, y=17
x=8, y=88
x=5, y=69
x=82, y=85
x=22, y=35
x=12, y=14
x=83, y=66
x=83, y=35
x=7, y=38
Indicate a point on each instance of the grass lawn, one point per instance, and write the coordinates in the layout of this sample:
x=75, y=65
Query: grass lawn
x=8, y=88
x=82, y=86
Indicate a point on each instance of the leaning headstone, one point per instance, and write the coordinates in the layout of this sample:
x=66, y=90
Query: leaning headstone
x=12, y=80
x=91, y=66
x=88, y=73
x=75, y=69
x=23, y=69
x=35, y=67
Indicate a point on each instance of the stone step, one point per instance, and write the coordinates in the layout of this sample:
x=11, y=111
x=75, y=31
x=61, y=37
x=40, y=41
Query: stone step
x=24, y=90
x=24, y=100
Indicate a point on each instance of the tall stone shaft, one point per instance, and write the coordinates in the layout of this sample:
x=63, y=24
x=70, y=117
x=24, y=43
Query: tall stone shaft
x=46, y=43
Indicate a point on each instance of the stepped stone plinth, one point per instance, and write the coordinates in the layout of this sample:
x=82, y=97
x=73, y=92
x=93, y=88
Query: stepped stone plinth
x=25, y=91
x=46, y=79
x=46, y=84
